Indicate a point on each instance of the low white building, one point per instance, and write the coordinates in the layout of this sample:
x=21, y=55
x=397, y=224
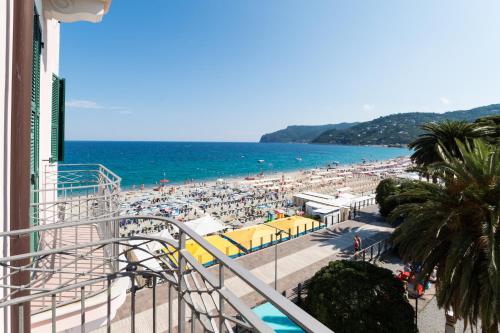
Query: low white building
x=326, y=213
x=320, y=195
x=325, y=206
x=300, y=199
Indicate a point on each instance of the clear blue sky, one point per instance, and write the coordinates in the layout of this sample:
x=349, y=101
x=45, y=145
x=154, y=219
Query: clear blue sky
x=233, y=70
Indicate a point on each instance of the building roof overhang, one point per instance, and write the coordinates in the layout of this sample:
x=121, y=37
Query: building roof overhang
x=76, y=10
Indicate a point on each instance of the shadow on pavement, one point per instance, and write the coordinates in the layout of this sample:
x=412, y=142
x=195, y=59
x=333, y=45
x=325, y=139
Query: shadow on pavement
x=337, y=238
x=370, y=218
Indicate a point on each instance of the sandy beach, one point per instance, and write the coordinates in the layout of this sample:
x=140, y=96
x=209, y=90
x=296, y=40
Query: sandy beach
x=239, y=202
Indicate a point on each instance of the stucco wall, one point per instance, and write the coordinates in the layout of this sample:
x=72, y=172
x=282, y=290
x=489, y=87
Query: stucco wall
x=49, y=66
x=6, y=26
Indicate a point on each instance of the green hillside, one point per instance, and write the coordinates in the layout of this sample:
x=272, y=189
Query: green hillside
x=397, y=129
x=301, y=134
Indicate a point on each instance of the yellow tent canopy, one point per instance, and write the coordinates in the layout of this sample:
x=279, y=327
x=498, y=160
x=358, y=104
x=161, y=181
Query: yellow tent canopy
x=201, y=255
x=252, y=237
x=294, y=225
x=248, y=239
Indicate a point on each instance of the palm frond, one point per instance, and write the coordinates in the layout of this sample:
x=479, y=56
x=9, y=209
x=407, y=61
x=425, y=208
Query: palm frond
x=454, y=225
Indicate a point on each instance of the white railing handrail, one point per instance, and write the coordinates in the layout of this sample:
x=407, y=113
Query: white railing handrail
x=110, y=178
x=303, y=319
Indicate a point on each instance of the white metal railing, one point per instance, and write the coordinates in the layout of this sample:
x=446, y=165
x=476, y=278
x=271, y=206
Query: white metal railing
x=201, y=300
x=72, y=193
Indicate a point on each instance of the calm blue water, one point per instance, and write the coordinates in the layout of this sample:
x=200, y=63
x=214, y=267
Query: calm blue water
x=276, y=319
x=146, y=162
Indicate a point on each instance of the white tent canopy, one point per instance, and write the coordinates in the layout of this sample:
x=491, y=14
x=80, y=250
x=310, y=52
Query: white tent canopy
x=155, y=246
x=144, y=257
x=205, y=225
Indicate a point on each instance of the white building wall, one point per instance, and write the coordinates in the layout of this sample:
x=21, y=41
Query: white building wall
x=6, y=27
x=49, y=65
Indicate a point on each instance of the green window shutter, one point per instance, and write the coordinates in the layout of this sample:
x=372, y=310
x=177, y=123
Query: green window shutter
x=54, y=137
x=57, y=119
x=37, y=50
x=35, y=95
x=62, y=117
x=35, y=125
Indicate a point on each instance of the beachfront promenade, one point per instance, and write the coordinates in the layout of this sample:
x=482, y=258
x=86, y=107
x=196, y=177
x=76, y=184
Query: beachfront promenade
x=299, y=259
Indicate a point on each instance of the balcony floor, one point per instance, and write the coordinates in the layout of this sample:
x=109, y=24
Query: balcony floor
x=69, y=270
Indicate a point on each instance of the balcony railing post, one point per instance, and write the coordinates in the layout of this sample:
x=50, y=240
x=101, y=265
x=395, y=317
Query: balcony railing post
x=54, y=315
x=21, y=317
x=116, y=248
x=193, y=320
x=82, y=309
x=221, y=299
x=170, y=308
x=154, y=304
x=181, y=309
x=108, y=308
x=132, y=304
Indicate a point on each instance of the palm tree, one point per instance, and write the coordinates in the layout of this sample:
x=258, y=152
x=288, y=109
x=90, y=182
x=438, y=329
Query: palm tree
x=444, y=134
x=493, y=122
x=455, y=228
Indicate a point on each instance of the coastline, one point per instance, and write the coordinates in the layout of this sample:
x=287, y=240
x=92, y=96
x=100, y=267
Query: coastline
x=237, y=202
x=294, y=174
x=396, y=145
x=146, y=163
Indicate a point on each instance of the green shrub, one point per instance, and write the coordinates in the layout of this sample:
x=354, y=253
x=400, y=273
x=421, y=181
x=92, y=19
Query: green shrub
x=356, y=296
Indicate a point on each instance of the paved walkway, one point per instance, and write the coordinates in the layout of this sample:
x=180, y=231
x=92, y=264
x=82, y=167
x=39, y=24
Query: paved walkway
x=299, y=259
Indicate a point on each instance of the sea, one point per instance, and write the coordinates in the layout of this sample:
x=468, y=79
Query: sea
x=139, y=162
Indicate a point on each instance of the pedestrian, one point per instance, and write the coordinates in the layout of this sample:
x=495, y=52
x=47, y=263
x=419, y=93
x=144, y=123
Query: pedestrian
x=356, y=244
x=360, y=245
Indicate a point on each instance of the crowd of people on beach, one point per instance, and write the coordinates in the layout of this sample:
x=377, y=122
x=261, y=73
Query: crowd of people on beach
x=246, y=202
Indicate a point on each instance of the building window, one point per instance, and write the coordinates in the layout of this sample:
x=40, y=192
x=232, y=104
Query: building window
x=57, y=122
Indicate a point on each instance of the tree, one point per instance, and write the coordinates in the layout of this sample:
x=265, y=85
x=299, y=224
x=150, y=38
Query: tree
x=454, y=227
x=444, y=134
x=356, y=296
x=494, y=123
x=387, y=194
x=386, y=188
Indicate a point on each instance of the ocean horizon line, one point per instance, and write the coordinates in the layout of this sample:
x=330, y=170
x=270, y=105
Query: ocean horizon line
x=145, y=162
x=238, y=142
x=173, y=141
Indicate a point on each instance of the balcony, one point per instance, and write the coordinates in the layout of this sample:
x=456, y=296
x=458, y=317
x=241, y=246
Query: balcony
x=82, y=273
x=72, y=193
